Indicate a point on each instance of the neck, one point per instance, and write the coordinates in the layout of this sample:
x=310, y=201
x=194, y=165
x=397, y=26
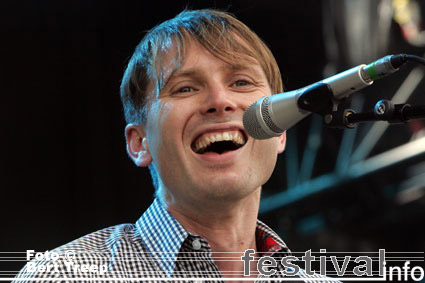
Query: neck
x=229, y=229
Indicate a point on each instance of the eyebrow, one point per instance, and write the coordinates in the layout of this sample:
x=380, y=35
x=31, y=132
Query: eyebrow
x=194, y=71
x=179, y=73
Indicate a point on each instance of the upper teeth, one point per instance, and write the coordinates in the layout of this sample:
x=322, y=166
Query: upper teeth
x=207, y=139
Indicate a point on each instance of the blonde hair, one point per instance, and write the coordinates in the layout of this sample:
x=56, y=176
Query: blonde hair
x=219, y=32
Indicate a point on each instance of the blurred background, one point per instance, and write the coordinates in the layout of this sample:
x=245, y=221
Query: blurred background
x=64, y=171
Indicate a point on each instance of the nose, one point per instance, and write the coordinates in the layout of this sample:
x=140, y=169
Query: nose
x=218, y=101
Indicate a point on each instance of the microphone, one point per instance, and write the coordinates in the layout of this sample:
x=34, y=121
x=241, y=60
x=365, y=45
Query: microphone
x=270, y=116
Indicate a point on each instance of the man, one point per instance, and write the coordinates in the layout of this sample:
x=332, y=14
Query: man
x=184, y=93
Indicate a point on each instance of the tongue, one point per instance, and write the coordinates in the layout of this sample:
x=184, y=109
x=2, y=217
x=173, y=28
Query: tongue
x=212, y=153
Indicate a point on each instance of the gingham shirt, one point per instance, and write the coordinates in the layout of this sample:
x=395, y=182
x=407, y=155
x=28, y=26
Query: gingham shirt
x=154, y=249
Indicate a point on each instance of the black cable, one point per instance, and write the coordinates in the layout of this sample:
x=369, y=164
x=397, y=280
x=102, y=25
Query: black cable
x=398, y=60
x=415, y=58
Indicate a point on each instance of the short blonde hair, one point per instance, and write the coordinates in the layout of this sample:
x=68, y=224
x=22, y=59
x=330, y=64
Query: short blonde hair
x=219, y=32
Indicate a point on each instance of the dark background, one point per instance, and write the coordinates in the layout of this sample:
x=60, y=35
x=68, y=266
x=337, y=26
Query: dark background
x=64, y=171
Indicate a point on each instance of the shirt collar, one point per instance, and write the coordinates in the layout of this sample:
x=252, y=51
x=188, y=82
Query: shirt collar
x=268, y=242
x=163, y=236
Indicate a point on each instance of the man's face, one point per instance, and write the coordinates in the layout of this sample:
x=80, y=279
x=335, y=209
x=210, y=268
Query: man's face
x=194, y=131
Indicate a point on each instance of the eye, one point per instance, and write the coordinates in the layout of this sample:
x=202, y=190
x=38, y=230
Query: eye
x=185, y=89
x=241, y=83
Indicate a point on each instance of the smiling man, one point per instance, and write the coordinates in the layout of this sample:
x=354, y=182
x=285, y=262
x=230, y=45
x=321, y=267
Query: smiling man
x=184, y=93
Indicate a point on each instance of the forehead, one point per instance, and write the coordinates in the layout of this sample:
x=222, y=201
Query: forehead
x=194, y=56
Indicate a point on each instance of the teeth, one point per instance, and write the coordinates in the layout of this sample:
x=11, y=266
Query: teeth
x=208, y=139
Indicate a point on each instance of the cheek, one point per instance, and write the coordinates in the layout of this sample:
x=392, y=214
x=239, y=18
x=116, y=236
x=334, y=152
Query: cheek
x=268, y=154
x=166, y=128
x=160, y=117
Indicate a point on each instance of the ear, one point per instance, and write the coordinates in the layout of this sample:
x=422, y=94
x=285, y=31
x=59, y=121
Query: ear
x=281, y=143
x=137, y=145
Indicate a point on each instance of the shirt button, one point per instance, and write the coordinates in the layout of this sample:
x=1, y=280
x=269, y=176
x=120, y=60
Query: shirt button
x=196, y=244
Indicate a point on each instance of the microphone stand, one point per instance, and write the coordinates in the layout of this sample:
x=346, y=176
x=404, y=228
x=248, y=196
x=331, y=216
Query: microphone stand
x=319, y=100
x=385, y=110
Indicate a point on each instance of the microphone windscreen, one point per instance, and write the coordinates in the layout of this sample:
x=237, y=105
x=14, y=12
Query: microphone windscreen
x=250, y=122
x=256, y=118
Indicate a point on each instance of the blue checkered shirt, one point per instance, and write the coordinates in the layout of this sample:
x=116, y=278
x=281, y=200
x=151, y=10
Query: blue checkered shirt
x=154, y=249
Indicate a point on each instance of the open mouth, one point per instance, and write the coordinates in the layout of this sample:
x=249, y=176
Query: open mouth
x=219, y=142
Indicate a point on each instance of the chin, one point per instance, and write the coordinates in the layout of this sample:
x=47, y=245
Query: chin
x=227, y=190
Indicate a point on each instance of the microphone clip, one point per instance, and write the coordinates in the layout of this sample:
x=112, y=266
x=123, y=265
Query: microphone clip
x=319, y=99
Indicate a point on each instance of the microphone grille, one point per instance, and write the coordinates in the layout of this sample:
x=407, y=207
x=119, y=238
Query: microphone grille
x=251, y=123
x=265, y=113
